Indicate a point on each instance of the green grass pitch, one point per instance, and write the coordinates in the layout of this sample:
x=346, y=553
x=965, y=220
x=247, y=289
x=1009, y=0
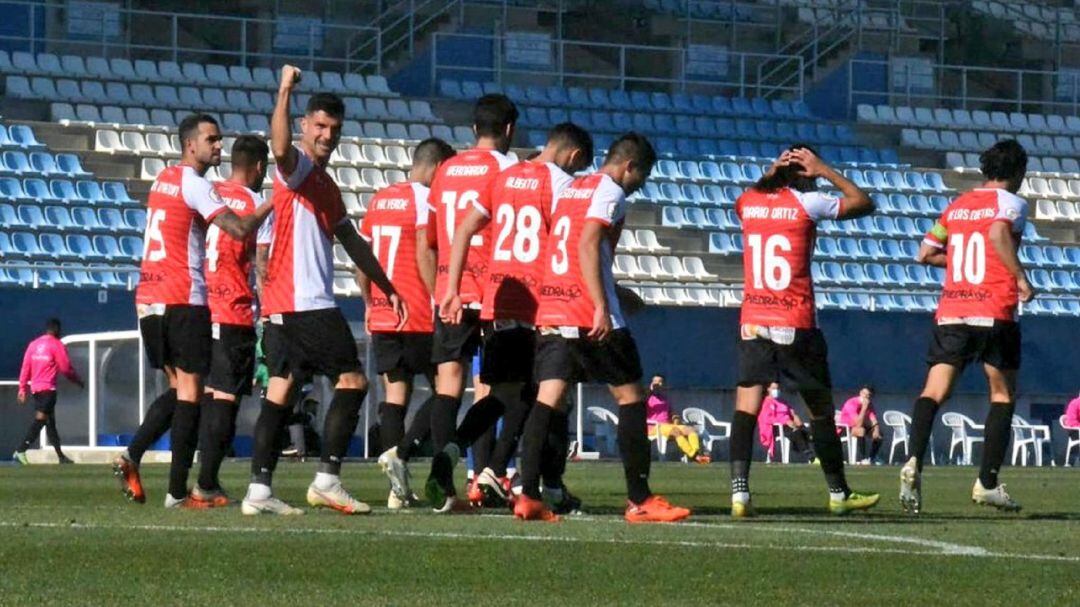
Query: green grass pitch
x=68, y=538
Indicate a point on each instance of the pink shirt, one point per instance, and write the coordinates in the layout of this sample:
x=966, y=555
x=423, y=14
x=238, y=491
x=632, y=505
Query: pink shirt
x=44, y=358
x=850, y=411
x=773, y=411
x=1072, y=413
x=658, y=409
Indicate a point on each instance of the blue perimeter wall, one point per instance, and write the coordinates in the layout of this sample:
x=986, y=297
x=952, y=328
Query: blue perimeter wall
x=692, y=347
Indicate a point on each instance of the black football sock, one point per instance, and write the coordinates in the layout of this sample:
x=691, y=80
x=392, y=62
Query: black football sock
x=517, y=410
x=830, y=453
x=185, y=438
x=32, y=434
x=532, y=448
x=418, y=431
x=391, y=424
x=799, y=440
x=482, y=448
x=478, y=422
x=215, y=423
x=998, y=434
x=634, y=448
x=339, y=427
x=155, y=424
x=54, y=435
x=553, y=463
x=444, y=411
x=271, y=420
x=875, y=446
x=922, y=424
x=743, y=428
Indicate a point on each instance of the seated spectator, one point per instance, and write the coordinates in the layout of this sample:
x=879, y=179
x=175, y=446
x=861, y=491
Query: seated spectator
x=661, y=421
x=858, y=413
x=775, y=411
x=1072, y=417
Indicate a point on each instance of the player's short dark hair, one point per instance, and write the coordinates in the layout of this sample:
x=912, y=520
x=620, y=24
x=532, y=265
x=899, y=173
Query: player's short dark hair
x=189, y=126
x=1006, y=160
x=432, y=151
x=869, y=387
x=249, y=150
x=492, y=114
x=52, y=326
x=326, y=102
x=634, y=147
x=788, y=176
x=568, y=134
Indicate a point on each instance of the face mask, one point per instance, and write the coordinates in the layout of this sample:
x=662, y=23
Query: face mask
x=775, y=393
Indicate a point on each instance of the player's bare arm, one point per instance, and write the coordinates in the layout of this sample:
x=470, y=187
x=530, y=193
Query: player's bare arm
x=262, y=258
x=1005, y=245
x=931, y=255
x=427, y=259
x=450, y=307
x=592, y=235
x=280, y=126
x=241, y=227
x=856, y=203
x=360, y=252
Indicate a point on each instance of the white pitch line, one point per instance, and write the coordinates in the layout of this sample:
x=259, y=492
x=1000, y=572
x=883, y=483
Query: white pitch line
x=541, y=538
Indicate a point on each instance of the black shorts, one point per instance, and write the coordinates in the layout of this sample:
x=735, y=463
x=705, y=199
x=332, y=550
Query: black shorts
x=314, y=342
x=456, y=342
x=958, y=345
x=801, y=365
x=178, y=338
x=508, y=355
x=232, y=366
x=45, y=401
x=613, y=361
x=402, y=356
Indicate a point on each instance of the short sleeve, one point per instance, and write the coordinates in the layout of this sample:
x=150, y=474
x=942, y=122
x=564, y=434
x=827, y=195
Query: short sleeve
x=1012, y=209
x=819, y=205
x=304, y=165
x=608, y=205
x=421, y=197
x=483, y=203
x=201, y=196
x=364, y=227
x=560, y=180
x=265, y=235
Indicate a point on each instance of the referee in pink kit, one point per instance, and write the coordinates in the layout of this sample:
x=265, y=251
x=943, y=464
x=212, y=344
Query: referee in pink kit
x=45, y=357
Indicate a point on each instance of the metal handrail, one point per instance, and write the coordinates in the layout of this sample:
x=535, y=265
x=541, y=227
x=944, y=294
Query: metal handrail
x=247, y=26
x=394, y=16
x=744, y=83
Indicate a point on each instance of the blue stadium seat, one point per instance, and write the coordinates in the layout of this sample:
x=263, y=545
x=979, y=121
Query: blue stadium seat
x=1041, y=280
x=672, y=192
x=702, y=104
x=450, y=88
x=537, y=95
x=859, y=301
x=38, y=190
x=896, y=181
x=17, y=163
x=1054, y=256
x=515, y=92
x=719, y=218
x=875, y=273
x=910, y=248
x=9, y=217
x=936, y=183
x=107, y=247
x=683, y=104
x=64, y=190
x=651, y=191
x=53, y=245
x=620, y=121
x=599, y=98
x=695, y=218
x=488, y=88
x=882, y=203
x=871, y=248
x=705, y=127
x=687, y=147
x=23, y=136
x=26, y=244
x=672, y=217
x=825, y=246
x=536, y=139
x=112, y=220
x=90, y=191
x=1031, y=235
x=715, y=195
x=915, y=181
x=1062, y=280
x=578, y=97
x=876, y=179
x=920, y=205
x=896, y=274
x=82, y=247
x=60, y=218
x=1030, y=254
x=832, y=273
x=557, y=96
x=890, y=249
x=621, y=100
x=722, y=106
x=136, y=218
x=44, y=163
x=32, y=217
x=692, y=193
x=106, y=278
x=720, y=242
x=848, y=248
x=854, y=274
x=923, y=225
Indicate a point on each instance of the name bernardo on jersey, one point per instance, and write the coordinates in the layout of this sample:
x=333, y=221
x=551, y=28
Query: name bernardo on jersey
x=475, y=170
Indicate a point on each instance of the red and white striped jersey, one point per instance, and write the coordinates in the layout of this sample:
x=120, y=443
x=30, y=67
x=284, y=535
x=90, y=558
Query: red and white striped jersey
x=460, y=182
x=307, y=209
x=390, y=227
x=564, y=297
x=229, y=261
x=180, y=206
x=522, y=200
x=978, y=286
x=778, y=243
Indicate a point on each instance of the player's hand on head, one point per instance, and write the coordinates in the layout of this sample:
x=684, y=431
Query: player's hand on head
x=601, y=324
x=290, y=76
x=811, y=164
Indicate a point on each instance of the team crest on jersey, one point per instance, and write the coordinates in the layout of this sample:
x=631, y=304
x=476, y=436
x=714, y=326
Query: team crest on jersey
x=215, y=196
x=1012, y=214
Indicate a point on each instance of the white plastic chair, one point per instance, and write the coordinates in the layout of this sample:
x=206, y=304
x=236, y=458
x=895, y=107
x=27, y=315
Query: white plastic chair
x=899, y=423
x=655, y=436
x=605, y=424
x=785, y=444
x=1026, y=434
x=961, y=427
x=1073, y=442
x=848, y=439
x=709, y=429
